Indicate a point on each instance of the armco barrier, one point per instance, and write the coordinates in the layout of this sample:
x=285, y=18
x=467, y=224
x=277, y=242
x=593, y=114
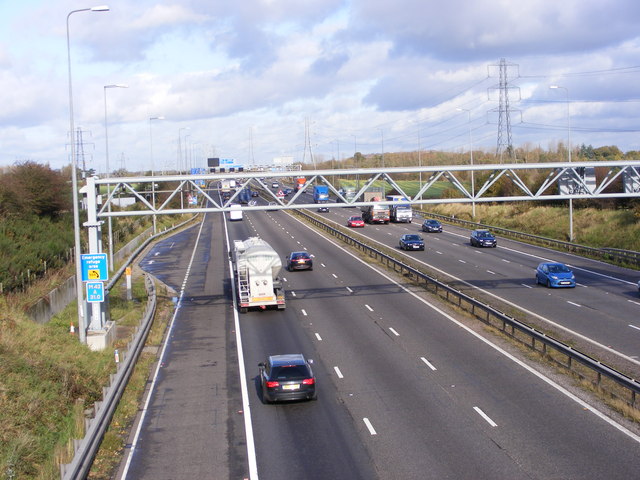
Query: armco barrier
x=622, y=257
x=87, y=448
x=609, y=380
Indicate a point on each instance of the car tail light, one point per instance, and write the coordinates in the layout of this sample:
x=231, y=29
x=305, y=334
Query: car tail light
x=309, y=381
x=272, y=384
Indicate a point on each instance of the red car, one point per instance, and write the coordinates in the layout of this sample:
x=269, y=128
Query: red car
x=355, y=222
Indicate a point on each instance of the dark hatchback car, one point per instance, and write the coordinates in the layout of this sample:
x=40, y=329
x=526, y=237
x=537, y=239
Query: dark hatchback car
x=287, y=377
x=411, y=241
x=299, y=261
x=483, y=238
x=431, y=226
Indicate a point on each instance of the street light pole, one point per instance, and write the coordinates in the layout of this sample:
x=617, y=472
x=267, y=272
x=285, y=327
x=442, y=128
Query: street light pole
x=180, y=159
x=153, y=182
x=566, y=91
x=82, y=334
x=106, y=141
x=382, y=144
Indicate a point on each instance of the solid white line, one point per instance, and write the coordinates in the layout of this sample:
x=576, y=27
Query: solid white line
x=338, y=372
x=304, y=312
x=394, y=332
x=633, y=326
x=492, y=273
x=372, y=431
x=633, y=301
x=369, y=308
x=318, y=337
x=505, y=260
x=573, y=303
x=429, y=364
x=525, y=285
x=486, y=417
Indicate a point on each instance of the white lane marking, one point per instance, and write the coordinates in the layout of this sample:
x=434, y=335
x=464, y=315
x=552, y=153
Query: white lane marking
x=372, y=430
x=439, y=253
x=322, y=265
x=486, y=417
x=633, y=326
x=318, y=337
x=394, y=332
x=368, y=307
x=293, y=294
x=304, y=312
x=633, y=301
x=429, y=364
x=334, y=275
x=573, y=303
x=349, y=290
x=338, y=372
x=505, y=260
x=461, y=261
x=525, y=285
x=490, y=272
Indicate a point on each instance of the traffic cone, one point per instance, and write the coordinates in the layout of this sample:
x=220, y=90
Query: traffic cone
x=72, y=329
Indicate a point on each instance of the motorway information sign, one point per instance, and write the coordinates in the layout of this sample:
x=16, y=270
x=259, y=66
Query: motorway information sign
x=95, y=292
x=94, y=267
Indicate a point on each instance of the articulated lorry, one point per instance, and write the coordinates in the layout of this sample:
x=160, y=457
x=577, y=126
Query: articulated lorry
x=256, y=266
x=399, y=212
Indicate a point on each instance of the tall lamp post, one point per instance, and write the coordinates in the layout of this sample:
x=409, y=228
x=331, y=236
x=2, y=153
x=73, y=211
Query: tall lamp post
x=106, y=141
x=82, y=334
x=566, y=91
x=180, y=156
x=153, y=182
x=473, y=183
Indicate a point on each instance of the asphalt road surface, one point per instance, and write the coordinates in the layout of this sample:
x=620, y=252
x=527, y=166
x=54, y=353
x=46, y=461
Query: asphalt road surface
x=405, y=390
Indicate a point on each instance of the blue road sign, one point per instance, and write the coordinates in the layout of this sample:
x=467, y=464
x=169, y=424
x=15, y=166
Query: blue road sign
x=95, y=292
x=94, y=267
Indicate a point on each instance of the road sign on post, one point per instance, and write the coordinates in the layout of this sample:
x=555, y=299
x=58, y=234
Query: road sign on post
x=95, y=292
x=94, y=267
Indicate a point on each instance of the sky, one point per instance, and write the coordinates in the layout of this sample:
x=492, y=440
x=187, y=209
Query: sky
x=261, y=80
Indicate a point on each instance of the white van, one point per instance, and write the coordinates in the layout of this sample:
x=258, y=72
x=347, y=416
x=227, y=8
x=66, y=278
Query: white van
x=235, y=212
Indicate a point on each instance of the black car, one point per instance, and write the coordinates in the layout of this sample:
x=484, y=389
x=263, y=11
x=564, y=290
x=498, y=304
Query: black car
x=411, y=241
x=323, y=209
x=483, y=238
x=299, y=261
x=255, y=193
x=287, y=191
x=287, y=377
x=431, y=226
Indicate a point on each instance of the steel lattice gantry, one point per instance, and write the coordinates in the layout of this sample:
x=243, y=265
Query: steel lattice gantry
x=526, y=181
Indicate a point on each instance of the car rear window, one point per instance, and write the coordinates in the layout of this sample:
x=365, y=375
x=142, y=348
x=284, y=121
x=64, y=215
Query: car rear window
x=290, y=372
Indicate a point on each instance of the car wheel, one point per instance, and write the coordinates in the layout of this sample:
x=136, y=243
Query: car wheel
x=310, y=268
x=548, y=283
x=243, y=309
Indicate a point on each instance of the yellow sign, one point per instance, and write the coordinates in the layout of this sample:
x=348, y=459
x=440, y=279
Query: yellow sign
x=94, y=274
x=127, y=271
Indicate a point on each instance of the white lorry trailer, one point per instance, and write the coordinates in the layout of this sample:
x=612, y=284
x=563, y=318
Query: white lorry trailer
x=256, y=266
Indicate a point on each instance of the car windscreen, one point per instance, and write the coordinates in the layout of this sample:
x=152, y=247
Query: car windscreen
x=412, y=238
x=558, y=269
x=290, y=372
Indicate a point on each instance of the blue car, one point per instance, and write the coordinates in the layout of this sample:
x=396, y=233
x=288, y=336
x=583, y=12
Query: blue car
x=411, y=242
x=555, y=275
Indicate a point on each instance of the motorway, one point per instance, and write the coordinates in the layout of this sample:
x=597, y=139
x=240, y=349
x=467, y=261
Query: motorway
x=405, y=389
